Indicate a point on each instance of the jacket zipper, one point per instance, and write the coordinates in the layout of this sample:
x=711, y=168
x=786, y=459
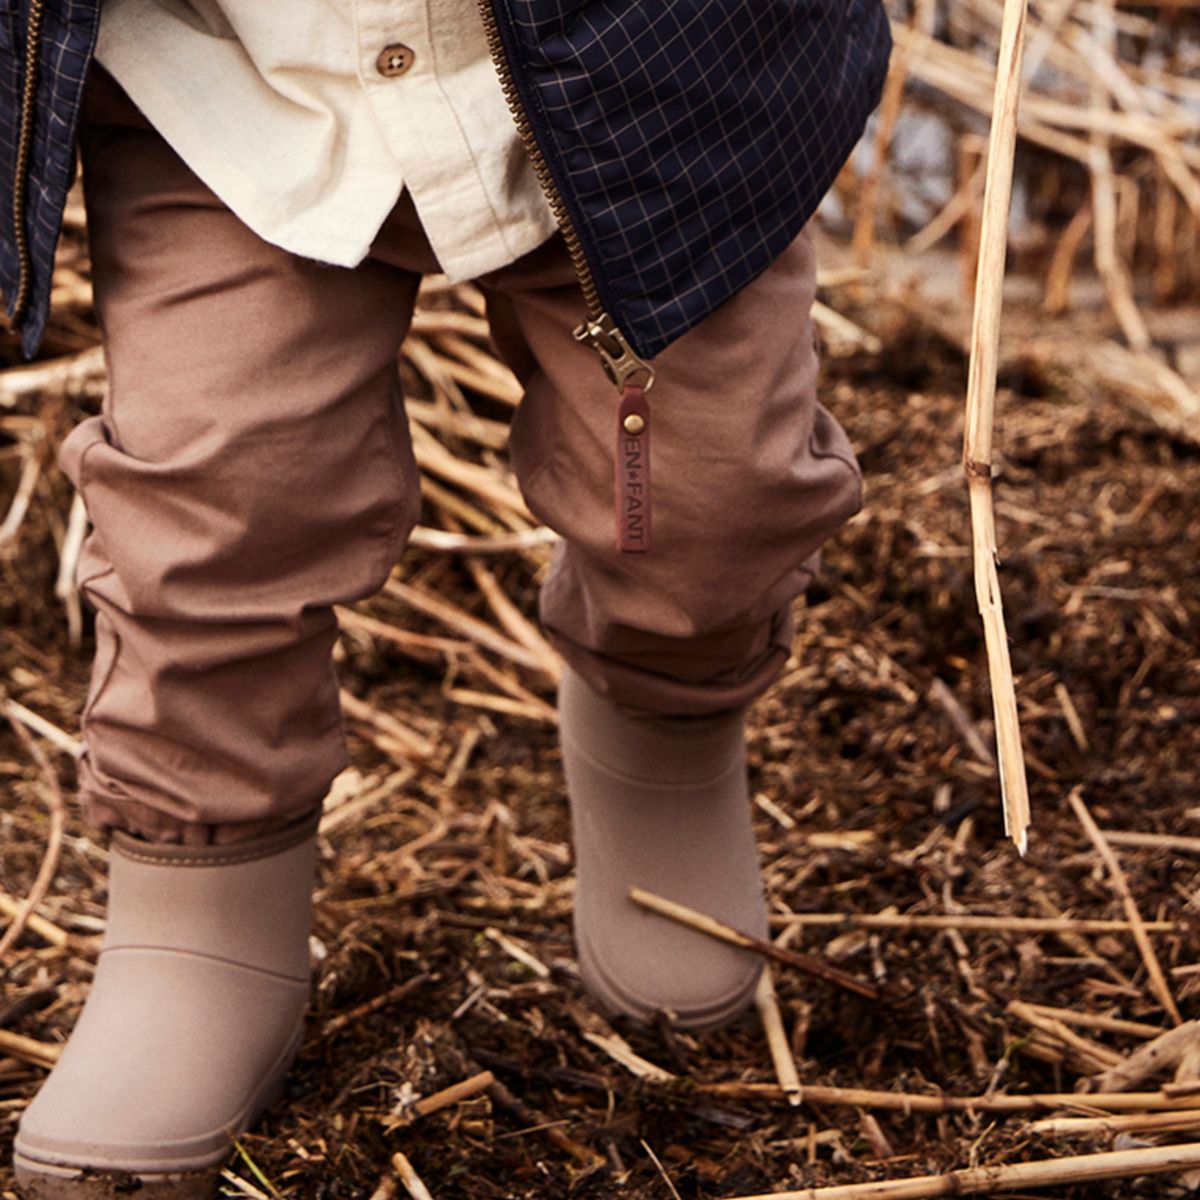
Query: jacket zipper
x=33, y=40
x=597, y=329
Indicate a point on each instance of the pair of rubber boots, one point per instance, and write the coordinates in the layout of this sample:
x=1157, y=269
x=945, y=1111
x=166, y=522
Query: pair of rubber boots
x=197, y=1006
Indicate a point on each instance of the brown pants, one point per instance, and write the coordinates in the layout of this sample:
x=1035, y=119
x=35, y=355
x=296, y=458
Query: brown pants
x=252, y=468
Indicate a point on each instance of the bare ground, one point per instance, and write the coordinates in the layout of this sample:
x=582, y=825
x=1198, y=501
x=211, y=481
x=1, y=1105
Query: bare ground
x=889, y=808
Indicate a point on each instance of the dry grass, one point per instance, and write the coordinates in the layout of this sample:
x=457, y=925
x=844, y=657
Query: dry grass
x=449, y=1046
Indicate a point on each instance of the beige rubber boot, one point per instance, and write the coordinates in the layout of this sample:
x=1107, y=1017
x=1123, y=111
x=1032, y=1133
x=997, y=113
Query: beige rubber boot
x=663, y=803
x=194, y=1014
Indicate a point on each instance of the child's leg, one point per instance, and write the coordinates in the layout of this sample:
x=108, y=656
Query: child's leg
x=749, y=475
x=251, y=469
x=665, y=649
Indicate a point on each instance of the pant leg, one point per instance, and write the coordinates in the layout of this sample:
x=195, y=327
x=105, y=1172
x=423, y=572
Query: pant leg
x=749, y=475
x=251, y=469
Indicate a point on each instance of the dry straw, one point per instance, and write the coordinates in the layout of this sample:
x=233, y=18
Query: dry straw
x=984, y=1181
x=981, y=396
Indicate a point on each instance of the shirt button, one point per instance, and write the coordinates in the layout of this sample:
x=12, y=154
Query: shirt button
x=394, y=60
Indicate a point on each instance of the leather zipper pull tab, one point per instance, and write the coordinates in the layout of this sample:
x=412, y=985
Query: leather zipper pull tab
x=632, y=469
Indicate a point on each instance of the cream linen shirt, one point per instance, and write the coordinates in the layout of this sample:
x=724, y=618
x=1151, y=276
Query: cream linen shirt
x=308, y=118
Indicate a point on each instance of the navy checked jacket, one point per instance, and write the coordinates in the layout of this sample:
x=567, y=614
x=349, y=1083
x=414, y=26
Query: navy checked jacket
x=689, y=139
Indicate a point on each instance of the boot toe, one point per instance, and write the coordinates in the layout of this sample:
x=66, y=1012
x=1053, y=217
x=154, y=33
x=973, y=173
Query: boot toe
x=151, y=1085
x=698, y=983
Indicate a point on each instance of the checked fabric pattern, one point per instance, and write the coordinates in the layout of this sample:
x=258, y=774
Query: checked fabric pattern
x=692, y=139
x=68, y=38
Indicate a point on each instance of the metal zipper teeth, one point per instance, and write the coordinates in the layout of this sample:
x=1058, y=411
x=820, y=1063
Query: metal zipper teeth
x=33, y=40
x=541, y=168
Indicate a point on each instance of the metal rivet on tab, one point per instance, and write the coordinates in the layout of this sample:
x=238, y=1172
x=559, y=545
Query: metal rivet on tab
x=633, y=423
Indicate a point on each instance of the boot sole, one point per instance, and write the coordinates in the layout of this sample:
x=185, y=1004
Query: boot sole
x=38, y=1180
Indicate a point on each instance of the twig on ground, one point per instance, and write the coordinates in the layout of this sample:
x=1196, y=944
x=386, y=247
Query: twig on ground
x=967, y=923
x=41, y=1054
x=777, y=1039
x=808, y=963
x=620, y=1051
x=661, y=1169
x=1153, y=1058
x=44, y=728
x=409, y=1177
x=1158, y=982
x=1152, y=841
x=959, y=718
x=462, y=543
x=1105, y=1126
x=57, y=809
x=914, y=1102
x=454, y=1094
x=975, y=1181
x=504, y=1099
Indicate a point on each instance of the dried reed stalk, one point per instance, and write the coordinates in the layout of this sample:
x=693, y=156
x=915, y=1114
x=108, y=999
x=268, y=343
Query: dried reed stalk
x=1155, y=1057
x=777, y=1040
x=917, y=1102
x=1105, y=1126
x=981, y=396
x=46, y=930
x=1090, y=1051
x=450, y=615
x=39, y=725
x=1153, y=841
x=703, y=923
x=458, y=543
x=620, y=1051
x=454, y=1094
x=409, y=1177
x=975, y=1181
x=1087, y=1020
x=968, y=922
x=57, y=808
x=1158, y=981
x=27, y=1049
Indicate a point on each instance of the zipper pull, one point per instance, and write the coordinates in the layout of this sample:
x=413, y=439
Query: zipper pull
x=631, y=452
x=617, y=358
